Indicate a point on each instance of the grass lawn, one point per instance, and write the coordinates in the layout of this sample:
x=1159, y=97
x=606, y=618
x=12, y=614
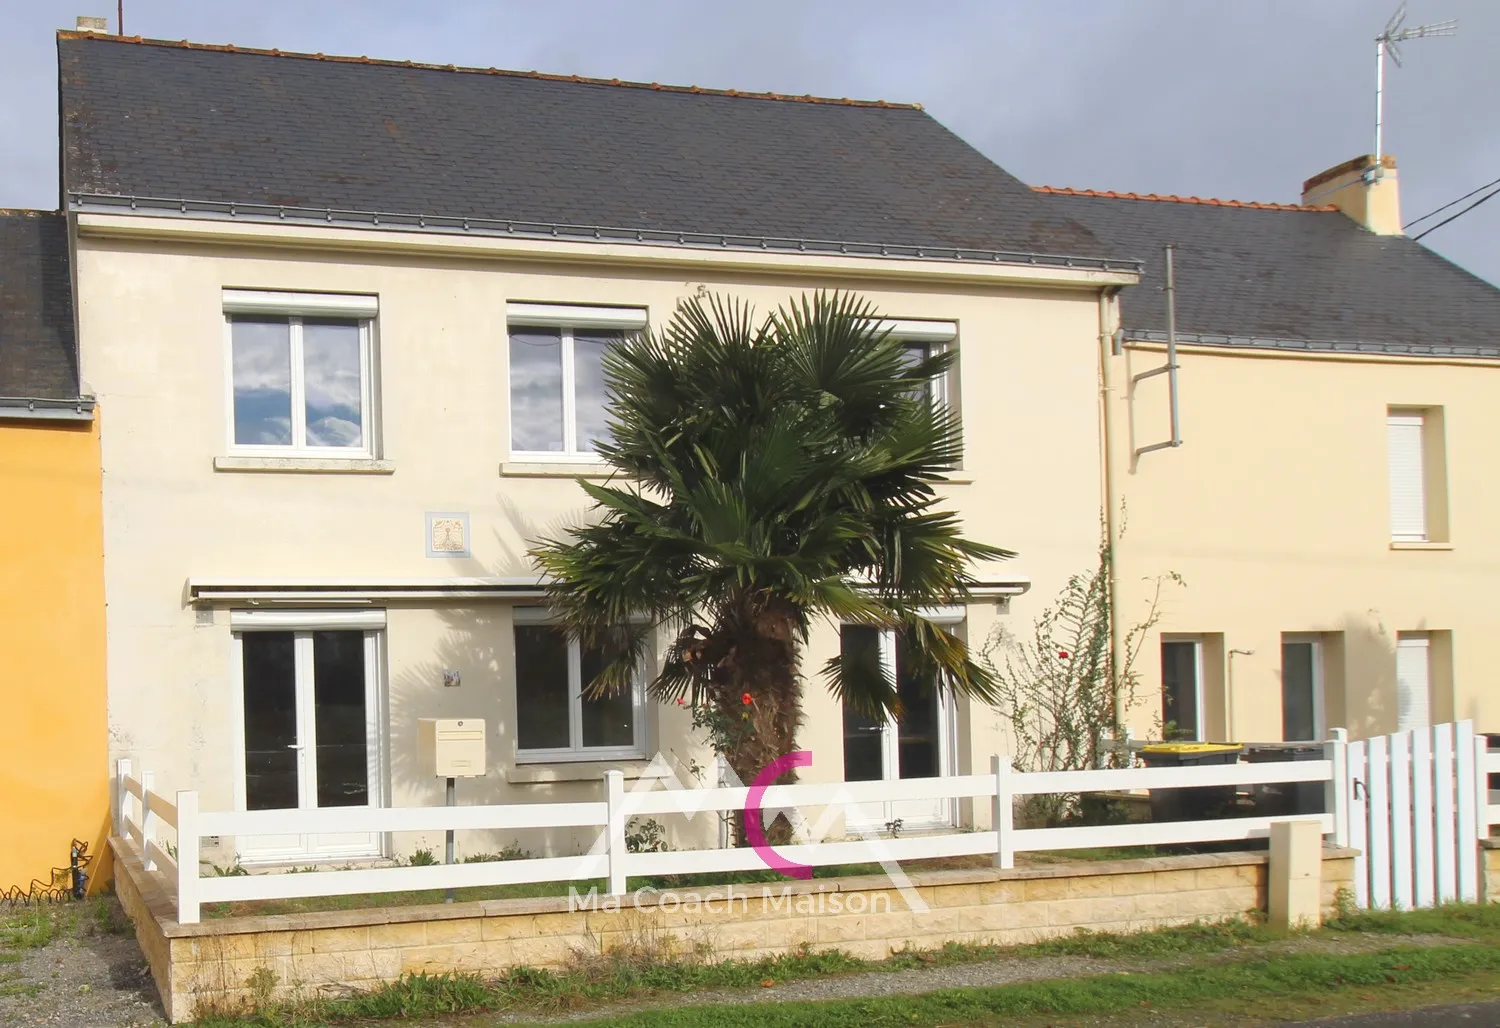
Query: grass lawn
x=1229, y=972
x=534, y=890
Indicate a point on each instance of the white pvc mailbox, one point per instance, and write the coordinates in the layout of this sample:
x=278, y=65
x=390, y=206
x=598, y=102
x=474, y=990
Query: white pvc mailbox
x=451, y=747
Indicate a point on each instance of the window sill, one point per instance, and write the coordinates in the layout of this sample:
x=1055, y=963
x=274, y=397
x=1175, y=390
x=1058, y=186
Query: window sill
x=1396, y=545
x=540, y=469
x=581, y=771
x=316, y=465
x=957, y=478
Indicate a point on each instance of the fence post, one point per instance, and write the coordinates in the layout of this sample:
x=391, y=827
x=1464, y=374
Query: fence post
x=1469, y=777
x=187, y=857
x=148, y=820
x=614, y=830
x=1337, y=790
x=1003, y=814
x=122, y=795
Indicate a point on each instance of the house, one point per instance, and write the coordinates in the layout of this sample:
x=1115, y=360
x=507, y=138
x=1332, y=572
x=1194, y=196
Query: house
x=343, y=318
x=1331, y=505
x=52, y=722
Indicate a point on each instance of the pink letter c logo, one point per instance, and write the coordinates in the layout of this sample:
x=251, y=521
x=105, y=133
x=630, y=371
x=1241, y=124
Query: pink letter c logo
x=753, y=827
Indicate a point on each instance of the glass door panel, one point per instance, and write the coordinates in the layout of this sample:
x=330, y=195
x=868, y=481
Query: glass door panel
x=864, y=737
x=339, y=718
x=1180, y=689
x=915, y=746
x=309, y=737
x=917, y=732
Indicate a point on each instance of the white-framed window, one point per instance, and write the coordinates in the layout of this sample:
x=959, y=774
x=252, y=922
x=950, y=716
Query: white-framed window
x=1417, y=468
x=1302, y=711
x=924, y=339
x=1413, y=680
x=555, y=721
x=300, y=374
x=1182, y=687
x=556, y=369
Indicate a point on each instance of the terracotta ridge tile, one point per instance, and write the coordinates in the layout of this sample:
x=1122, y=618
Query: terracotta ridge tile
x=1171, y=198
x=184, y=44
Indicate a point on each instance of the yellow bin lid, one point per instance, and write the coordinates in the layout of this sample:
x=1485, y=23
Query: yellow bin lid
x=1192, y=747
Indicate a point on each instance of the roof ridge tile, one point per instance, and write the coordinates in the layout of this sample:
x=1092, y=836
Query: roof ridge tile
x=1210, y=201
x=459, y=69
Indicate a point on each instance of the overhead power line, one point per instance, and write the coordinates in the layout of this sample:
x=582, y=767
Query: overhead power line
x=1450, y=203
x=1453, y=217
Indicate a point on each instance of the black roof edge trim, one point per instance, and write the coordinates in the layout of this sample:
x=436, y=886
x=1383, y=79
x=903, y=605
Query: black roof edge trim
x=521, y=229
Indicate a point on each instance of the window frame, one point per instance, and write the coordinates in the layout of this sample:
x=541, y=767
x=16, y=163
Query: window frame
x=567, y=319
x=1200, y=725
x=1407, y=642
x=1320, y=717
x=575, y=751
x=938, y=337
x=1408, y=418
x=296, y=308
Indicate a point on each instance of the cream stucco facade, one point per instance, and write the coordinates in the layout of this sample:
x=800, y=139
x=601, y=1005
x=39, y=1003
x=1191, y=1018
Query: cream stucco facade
x=177, y=513
x=1276, y=512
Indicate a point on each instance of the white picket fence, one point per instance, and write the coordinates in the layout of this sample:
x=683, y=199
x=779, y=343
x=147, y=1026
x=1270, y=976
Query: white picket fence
x=1353, y=817
x=1417, y=802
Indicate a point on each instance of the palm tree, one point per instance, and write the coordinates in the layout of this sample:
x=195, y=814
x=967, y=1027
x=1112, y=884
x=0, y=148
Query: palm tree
x=769, y=472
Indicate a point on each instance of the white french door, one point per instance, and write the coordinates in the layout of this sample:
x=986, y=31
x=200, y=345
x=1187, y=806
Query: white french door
x=309, y=731
x=920, y=745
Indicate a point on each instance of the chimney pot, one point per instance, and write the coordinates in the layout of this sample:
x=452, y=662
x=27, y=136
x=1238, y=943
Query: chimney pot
x=1364, y=189
x=85, y=23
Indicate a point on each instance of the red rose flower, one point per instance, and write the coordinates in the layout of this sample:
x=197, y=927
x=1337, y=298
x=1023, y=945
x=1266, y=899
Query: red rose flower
x=745, y=699
x=1062, y=654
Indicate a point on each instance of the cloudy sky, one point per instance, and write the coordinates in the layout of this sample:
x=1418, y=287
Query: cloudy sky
x=1227, y=98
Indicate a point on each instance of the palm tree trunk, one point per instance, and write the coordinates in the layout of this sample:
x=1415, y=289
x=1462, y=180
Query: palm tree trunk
x=762, y=697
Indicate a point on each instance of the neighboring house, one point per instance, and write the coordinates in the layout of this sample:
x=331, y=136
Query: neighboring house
x=344, y=319
x=53, y=780
x=1333, y=503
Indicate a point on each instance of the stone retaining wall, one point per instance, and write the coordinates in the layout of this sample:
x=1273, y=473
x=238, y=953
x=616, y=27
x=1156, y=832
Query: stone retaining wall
x=205, y=966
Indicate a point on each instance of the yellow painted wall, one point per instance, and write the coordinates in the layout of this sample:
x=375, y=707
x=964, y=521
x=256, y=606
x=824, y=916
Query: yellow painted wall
x=1276, y=513
x=53, y=777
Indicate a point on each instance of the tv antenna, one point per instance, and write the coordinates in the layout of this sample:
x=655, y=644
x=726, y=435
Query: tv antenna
x=1388, y=42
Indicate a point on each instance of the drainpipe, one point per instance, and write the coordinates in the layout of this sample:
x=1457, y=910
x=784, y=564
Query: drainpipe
x=1108, y=304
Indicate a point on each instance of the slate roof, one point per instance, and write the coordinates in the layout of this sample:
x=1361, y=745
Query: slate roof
x=37, y=354
x=1286, y=276
x=192, y=122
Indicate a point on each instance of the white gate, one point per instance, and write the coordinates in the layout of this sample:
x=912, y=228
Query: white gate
x=1418, y=804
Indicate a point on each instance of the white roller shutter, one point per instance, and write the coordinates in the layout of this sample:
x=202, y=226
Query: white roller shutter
x=1413, y=683
x=1408, y=496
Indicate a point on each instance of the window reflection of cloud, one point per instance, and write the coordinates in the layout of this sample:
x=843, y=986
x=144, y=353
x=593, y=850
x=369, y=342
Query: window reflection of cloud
x=262, y=360
x=536, y=390
x=588, y=385
x=333, y=431
x=332, y=383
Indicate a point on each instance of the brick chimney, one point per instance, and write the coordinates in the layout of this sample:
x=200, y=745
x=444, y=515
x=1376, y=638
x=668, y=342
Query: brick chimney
x=1363, y=190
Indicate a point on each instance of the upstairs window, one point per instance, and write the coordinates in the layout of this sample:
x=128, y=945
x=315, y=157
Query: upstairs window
x=300, y=374
x=557, y=390
x=924, y=339
x=1417, y=474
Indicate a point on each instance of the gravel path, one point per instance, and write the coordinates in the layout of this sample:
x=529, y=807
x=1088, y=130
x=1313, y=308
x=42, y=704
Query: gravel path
x=90, y=980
